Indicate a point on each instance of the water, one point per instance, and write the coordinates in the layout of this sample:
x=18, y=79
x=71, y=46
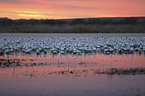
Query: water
x=71, y=74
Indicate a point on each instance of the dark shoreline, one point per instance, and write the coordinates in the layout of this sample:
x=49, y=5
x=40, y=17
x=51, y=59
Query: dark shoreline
x=78, y=28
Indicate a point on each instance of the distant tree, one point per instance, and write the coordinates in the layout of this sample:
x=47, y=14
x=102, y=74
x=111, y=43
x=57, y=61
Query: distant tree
x=33, y=21
x=78, y=21
x=93, y=21
x=106, y=21
x=130, y=20
x=6, y=22
x=47, y=21
x=61, y=22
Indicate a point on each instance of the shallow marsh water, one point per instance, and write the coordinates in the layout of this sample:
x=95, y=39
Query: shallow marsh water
x=71, y=75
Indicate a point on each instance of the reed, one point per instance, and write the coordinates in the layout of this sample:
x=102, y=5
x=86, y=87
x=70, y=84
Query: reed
x=74, y=28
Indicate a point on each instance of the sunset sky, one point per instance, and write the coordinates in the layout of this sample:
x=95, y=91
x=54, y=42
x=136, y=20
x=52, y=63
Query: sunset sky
x=60, y=9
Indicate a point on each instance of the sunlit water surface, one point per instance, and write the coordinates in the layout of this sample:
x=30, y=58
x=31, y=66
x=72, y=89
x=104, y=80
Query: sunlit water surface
x=70, y=75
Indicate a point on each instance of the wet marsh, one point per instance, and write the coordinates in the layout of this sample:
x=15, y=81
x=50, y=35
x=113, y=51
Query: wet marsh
x=72, y=66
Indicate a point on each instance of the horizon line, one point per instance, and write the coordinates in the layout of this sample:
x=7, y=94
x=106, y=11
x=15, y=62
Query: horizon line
x=76, y=18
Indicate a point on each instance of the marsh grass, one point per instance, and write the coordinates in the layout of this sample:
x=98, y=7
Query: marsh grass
x=74, y=28
x=118, y=71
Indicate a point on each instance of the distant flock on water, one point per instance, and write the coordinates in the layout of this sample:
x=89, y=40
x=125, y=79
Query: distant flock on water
x=74, y=45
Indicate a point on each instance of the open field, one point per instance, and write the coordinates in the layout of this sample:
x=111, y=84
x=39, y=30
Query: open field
x=77, y=28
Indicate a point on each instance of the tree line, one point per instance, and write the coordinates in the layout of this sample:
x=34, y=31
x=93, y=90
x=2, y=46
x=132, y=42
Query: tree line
x=123, y=20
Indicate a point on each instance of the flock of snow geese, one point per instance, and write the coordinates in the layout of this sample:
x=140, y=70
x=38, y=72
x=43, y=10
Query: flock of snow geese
x=75, y=45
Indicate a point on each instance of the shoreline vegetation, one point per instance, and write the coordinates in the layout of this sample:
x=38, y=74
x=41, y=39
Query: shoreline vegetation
x=7, y=63
x=90, y=25
x=79, y=28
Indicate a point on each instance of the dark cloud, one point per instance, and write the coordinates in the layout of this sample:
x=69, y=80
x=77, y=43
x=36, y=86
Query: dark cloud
x=74, y=7
x=17, y=1
x=75, y=0
x=81, y=15
x=86, y=0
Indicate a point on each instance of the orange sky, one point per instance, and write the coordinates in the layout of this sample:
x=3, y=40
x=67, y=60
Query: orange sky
x=59, y=9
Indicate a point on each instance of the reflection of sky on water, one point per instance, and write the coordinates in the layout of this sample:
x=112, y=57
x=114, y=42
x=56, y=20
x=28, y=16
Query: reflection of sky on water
x=112, y=60
x=71, y=75
x=34, y=81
